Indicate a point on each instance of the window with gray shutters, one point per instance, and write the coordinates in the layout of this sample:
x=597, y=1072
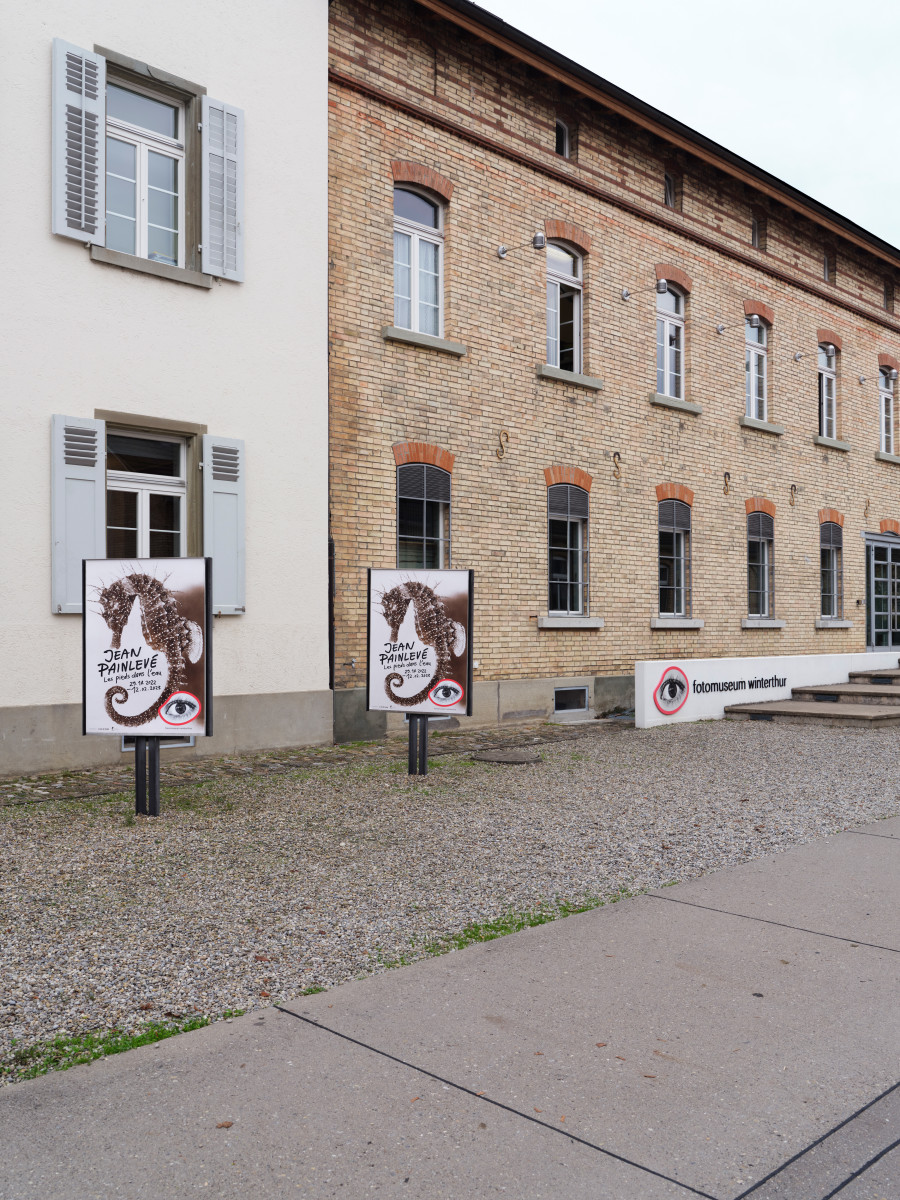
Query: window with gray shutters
x=567, y=538
x=423, y=516
x=760, y=565
x=831, y=548
x=674, y=559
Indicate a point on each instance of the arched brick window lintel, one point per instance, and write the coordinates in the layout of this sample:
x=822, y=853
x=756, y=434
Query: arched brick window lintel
x=888, y=360
x=562, y=474
x=832, y=516
x=889, y=525
x=567, y=231
x=675, y=275
x=423, y=452
x=756, y=308
x=675, y=491
x=828, y=335
x=413, y=172
x=759, y=504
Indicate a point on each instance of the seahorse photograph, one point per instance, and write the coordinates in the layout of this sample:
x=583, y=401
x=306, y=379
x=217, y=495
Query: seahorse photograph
x=419, y=641
x=144, y=644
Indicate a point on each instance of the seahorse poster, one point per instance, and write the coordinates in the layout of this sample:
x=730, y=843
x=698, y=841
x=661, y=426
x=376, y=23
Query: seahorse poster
x=420, y=641
x=147, y=660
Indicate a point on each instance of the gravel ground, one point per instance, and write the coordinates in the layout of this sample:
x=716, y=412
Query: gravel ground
x=252, y=888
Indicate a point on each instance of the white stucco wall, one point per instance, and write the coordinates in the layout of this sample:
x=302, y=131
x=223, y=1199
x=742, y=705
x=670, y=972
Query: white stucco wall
x=247, y=360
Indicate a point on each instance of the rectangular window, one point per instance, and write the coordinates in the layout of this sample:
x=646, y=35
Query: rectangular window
x=760, y=565
x=827, y=392
x=886, y=410
x=831, y=569
x=418, y=245
x=674, y=559
x=563, y=146
x=755, y=369
x=423, y=516
x=145, y=496
x=567, y=535
x=670, y=344
x=563, y=308
x=570, y=700
x=758, y=231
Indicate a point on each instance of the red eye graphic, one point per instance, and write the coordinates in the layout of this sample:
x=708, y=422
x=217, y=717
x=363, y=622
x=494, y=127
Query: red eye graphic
x=672, y=691
x=446, y=693
x=180, y=708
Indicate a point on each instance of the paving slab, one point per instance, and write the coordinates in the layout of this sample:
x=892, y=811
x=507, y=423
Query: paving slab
x=888, y=828
x=846, y=886
x=880, y=1182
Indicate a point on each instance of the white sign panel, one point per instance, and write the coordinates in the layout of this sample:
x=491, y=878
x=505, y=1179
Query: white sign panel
x=147, y=662
x=698, y=689
x=420, y=642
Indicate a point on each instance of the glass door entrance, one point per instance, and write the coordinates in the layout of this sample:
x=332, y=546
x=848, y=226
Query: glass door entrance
x=883, y=594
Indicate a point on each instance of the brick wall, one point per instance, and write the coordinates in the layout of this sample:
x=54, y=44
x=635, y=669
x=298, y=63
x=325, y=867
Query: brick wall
x=428, y=93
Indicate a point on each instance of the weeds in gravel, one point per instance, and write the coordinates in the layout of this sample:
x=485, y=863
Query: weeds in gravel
x=72, y=1050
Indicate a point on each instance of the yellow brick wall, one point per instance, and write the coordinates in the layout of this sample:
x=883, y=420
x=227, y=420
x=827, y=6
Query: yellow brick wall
x=383, y=392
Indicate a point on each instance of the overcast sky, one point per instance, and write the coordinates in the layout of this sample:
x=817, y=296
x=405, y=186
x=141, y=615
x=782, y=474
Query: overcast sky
x=807, y=90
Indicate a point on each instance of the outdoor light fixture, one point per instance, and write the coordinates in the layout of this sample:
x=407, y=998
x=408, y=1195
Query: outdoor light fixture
x=752, y=321
x=862, y=379
x=826, y=346
x=539, y=242
x=660, y=286
x=893, y=375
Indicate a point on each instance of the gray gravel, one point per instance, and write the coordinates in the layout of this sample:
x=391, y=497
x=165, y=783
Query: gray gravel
x=249, y=890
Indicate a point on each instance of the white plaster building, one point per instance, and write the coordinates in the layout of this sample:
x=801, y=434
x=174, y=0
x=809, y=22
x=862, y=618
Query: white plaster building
x=164, y=351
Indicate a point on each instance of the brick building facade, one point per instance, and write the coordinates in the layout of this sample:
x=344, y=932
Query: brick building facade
x=719, y=500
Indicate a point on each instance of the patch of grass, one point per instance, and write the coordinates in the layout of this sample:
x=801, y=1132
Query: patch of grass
x=312, y=991
x=72, y=1050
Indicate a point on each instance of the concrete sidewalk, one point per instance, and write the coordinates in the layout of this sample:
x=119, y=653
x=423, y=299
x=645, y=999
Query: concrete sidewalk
x=734, y=1036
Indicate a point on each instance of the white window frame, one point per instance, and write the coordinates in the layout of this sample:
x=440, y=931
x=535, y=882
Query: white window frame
x=573, y=283
x=828, y=397
x=146, y=140
x=144, y=485
x=765, y=576
x=668, y=325
x=420, y=233
x=756, y=367
x=581, y=552
x=886, y=410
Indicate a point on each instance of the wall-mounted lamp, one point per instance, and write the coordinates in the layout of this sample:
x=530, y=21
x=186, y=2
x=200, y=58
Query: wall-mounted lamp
x=862, y=379
x=661, y=287
x=827, y=347
x=752, y=321
x=539, y=242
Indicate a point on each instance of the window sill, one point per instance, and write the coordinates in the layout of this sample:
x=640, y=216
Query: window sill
x=832, y=623
x=570, y=622
x=761, y=623
x=144, y=266
x=883, y=456
x=686, y=406
x=762, y=426
x=391, y=333
x=831, y=443
x=676, y=623
x=586, y=381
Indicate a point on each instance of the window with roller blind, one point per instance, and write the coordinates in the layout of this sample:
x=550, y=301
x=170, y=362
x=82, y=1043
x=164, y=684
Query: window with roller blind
x=567, y=549
x=423, y=516
x=674, y=558
x=760, y=564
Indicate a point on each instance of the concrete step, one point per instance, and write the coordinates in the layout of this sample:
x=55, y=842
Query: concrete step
x=859, y=693
x=875, y=676
x=843, y=713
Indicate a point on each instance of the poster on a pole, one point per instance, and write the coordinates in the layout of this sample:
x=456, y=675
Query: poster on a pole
x=420, y=642
x=147, y=659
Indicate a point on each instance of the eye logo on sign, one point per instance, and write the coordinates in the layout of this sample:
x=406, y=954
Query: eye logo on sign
x=180, y=708
x=445, y=693
x=672, y=691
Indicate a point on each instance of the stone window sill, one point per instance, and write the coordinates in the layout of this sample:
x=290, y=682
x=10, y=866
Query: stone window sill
x=832, y=623
x=883, y=456
x=831, y=443
x=391, y=333
x=570, y=622
x=684, y=406
x=761, y=623
x=676, y=623
x=115, y=258
x=762, y=426
x=586, y=381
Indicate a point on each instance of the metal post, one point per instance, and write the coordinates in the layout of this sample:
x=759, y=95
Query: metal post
x=153, y=764
x=413, y=750
x=140, y=776
x=423, y=745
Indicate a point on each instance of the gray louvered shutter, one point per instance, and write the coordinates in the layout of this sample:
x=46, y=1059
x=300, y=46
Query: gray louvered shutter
x=223, y=521
x=567, y=501
x=674, y=515
x=411, y=482
x=78, y=208
x=761, y=526
x=78, y=505
x=223, y=190
x=831, y=535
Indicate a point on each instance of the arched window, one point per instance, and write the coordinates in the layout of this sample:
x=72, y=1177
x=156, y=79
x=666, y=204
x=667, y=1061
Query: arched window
x=760, y=564
x=755, y=363
x=423, y=516
x=418, y=265
x=827, y=390
x=674, y=558
x=564, y=278
x=886, y=380
x=670, y=343
x=831, y=546
x=567, y=530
